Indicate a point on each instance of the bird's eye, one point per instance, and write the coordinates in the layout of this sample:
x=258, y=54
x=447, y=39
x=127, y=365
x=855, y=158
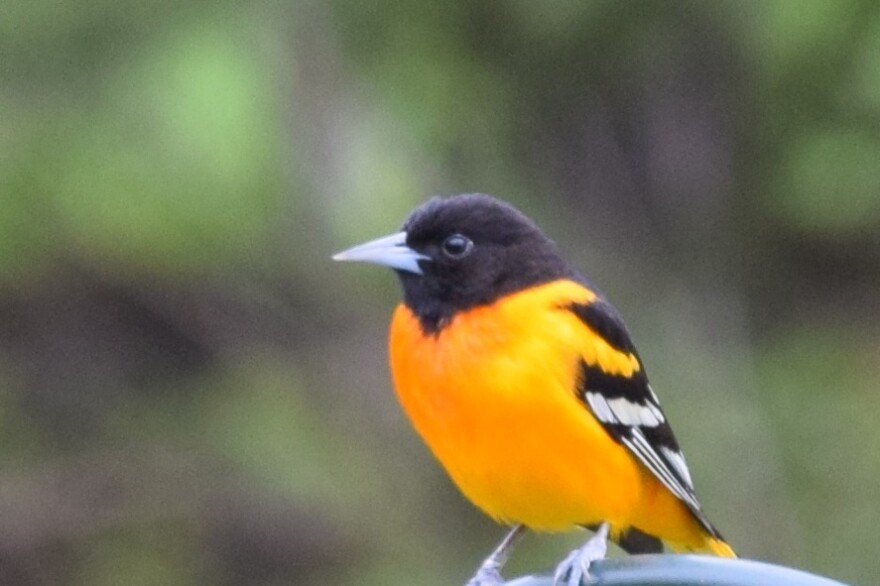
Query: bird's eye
x=457, y=246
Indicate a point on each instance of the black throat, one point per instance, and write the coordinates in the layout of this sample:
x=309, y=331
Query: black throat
x=509, y=253
x=436, y=302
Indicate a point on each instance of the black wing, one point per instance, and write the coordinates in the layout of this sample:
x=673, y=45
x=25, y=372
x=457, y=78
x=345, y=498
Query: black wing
x=628, y=409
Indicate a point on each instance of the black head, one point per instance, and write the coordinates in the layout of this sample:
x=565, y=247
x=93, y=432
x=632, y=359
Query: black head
x=478, y=249
x=458, y=252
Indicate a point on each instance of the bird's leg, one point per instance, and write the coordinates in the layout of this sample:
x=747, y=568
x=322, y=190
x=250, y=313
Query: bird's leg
x=576, y=566
x=489, y=573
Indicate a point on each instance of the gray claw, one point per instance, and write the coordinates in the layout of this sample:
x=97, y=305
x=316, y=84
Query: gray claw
x=576, y=565
x=486, y=576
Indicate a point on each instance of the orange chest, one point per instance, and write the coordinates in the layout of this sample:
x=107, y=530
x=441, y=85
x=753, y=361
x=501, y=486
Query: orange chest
x=481, y=372
x=494, y=397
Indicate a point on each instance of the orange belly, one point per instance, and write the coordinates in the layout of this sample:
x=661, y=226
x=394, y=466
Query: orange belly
x=493, y=397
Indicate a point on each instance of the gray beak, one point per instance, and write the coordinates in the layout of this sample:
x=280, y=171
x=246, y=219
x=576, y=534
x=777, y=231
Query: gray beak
x=390, y=251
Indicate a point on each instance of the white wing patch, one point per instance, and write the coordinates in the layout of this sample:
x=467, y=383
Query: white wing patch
x=676, y=458
x=653, y=395
x=600, y=408
x=622, y=411
x=639, y=445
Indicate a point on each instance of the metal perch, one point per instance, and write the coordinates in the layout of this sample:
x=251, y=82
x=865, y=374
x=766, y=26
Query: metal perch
x=687, y=570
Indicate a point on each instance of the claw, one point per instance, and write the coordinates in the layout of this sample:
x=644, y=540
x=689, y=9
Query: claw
x=489, y=573
x=486, y=576
x=576, y=566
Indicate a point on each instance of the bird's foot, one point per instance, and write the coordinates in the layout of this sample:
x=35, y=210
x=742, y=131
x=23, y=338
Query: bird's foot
x=576, y=566
x=487, y=575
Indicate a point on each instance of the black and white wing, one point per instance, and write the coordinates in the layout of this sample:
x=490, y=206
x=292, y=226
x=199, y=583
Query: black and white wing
x=626, y=406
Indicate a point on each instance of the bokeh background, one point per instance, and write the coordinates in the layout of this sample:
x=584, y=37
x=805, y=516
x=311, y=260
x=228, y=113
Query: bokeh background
x=192, y=393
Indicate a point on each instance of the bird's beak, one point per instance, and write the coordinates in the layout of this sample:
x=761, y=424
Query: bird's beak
x=390, y=251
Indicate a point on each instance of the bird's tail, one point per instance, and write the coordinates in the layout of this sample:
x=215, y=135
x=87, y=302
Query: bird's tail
x=634, y=541
x=714, y=545
x=701, y=538
x=719, y=547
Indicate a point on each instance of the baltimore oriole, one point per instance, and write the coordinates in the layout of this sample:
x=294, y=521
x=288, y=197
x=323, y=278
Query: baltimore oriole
x=523, y=381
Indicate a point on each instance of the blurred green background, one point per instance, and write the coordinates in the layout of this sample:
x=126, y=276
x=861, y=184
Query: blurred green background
x=192, y=393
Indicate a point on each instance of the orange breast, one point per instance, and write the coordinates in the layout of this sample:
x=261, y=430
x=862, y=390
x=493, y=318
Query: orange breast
x=493, y=396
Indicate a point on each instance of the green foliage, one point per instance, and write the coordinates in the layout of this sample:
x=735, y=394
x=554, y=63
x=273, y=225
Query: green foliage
x=831, y=182
x=170, y=164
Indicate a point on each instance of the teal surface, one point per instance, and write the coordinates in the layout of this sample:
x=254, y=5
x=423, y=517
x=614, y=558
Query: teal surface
x=688, y=570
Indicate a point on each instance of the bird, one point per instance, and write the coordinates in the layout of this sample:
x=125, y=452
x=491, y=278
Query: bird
x=524, y=382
